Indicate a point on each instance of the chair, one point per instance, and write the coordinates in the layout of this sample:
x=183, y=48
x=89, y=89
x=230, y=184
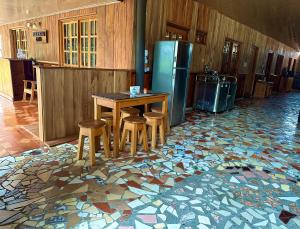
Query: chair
x=167, y=122
x=134, y=125
x=93, y=129
x=156, y=120
x=29, y=88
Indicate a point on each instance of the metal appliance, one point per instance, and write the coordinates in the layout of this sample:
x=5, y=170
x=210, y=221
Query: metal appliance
x=215, y=93
x=171, y=69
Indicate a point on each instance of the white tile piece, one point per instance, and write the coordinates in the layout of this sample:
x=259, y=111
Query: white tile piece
x=173, y=226
x=135, y=203
x=291, y=199
x=247, y=216
x=180, y=198
x=148, y=210
x=204, y=219
x=234, y=180
x=140, y=225
x=261, y=224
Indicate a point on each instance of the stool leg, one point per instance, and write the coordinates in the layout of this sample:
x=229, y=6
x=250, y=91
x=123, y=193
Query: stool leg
x=32, y=92
x=92, y=148
x=134, y=140
x=154, y=134
x=144, y=137
x=80, y=146
x=109, y=134
x=162, y=132
x=124, y=135
x=105, y=143
x=24, y=93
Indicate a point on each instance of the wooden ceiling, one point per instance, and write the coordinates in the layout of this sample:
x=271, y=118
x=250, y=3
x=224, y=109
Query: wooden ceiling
x=276, y=18
x=19, y=10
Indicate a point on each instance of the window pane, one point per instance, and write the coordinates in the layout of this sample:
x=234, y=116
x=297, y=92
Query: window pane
x=93, y=60
x=74, y=58
x=68, y=45
x=67, y=58
x=82, y=44
x=86, y=42
x=75, y=29
x=74, y=44
x=93, y=44
x=82, y=59
x=86, y=59
x=92, y=28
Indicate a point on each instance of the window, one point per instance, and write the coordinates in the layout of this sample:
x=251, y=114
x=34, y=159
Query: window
x=81, y=34
x=21, y=40
x=71, y=44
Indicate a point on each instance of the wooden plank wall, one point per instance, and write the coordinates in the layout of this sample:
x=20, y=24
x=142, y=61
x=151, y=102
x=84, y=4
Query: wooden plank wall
x=197, y=16
x=65, y=97
x=115, y=46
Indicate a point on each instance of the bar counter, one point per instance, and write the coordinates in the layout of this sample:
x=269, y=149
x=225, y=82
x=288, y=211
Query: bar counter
x=65, y=97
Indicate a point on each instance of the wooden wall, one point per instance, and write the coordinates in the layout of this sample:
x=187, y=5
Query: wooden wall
x=65, y=97
x=192, y=14
x=115, y=45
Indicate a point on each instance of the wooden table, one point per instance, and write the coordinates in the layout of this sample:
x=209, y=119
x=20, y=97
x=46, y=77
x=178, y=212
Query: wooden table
x=116, y=101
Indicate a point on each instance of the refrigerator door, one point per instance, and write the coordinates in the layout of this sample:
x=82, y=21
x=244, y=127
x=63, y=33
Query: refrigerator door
x=179, y=97
x=163, y=69
x=183, y=54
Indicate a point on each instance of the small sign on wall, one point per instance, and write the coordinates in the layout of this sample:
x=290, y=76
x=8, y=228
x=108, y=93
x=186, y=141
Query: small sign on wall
x=40, y=36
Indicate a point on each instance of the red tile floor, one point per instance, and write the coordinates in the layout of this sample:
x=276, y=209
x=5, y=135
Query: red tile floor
x=14, y=138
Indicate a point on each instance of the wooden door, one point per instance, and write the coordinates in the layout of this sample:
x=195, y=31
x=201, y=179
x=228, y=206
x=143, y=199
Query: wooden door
x=269, y=65
x=279, y=63
x=231, y=56
x=250, y=78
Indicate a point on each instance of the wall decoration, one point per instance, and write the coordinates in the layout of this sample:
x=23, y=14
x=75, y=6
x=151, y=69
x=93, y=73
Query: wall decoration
x=201, y=37
x=40, y=36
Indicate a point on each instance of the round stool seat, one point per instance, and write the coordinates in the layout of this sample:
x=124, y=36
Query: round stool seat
x=130, y=110
x=133, y=119
x=153, y=115
x=156, y=109
x=91, y=124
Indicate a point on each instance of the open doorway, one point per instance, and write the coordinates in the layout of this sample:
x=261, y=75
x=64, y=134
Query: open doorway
x=250, y=78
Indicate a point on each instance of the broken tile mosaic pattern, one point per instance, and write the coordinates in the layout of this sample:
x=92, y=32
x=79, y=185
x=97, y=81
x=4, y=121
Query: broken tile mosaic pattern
x=239, y=169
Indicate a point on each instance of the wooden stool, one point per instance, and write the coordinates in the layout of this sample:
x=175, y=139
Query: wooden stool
x=155, y=120
x=167, y=122
x=29, y=89
x=92, y=129
x=127, y=112
x=134, y=124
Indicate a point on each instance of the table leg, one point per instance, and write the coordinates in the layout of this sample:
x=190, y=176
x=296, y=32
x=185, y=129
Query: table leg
x=97, y=110
x=147, y=108
x=116, y=126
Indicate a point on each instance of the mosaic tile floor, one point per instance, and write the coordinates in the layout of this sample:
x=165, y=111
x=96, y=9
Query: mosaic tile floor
x=239, y=169
x=14, y=139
